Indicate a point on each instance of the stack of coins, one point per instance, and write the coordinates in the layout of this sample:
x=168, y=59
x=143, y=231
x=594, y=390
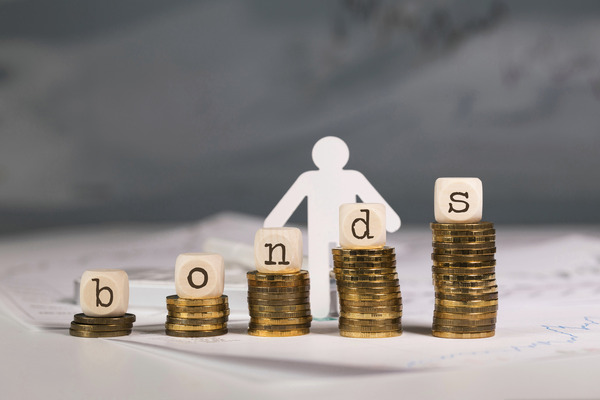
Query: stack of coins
x=369, y=292
x=95, y=327
x=464, y=277
x=197, y=317
x=279, y=304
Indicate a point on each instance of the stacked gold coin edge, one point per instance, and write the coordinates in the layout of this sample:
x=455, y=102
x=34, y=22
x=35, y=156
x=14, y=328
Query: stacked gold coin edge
x=196, y=317
x=278, y=304
x=463, y=274
x=98, y=327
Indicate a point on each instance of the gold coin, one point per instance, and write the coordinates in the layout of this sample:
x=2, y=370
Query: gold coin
x=464, y=264
x=196, y=322
x=182, y=327
x=370, y=335
x=197, y=309
x=284, y=333
x=282, y=290
x=126, y=319
x=368, y=284
x=462, y=258
x=465, y=310
x=366, y=278
x=464, y=315
x=469, y=303
x=441, y=285
x=394, y=308
x=464, y=277
x=278, y=284
x=464, y=252
x=369, y=322
x=299, y=297
x=371, y=316
x=364, y=328
x=466, y=329
x=385, y=250
x=468, y=290
x=466, y=297
x=437, y=239
x=203, y=315
x=455, y=335
x=100, y=328
x=96, y=334
x=465, y=246
x=463, y=271
x=272, y=327
x=279, y=302
x=467, y=232
x=370, y=259
x=372, y=294
x=179, y=302
x=298, y=314
x=463, y=322
x=261, y=276
x=364, y=272
x=280, y=321
x=457, y=226
x=364, y=266
x=191, y=334
x=280, y=309
x=394, y=301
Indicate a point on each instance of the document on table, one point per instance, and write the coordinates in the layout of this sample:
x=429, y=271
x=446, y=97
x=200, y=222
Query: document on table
x=549, y=307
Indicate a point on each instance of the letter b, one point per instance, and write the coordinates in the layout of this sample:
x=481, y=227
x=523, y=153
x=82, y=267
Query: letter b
x=104, y=293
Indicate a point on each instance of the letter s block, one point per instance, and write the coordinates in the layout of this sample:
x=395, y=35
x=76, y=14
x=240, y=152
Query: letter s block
x=278, y=250
x=362, y=226
x=458, y=200
x=199, y=275
x=104, y=293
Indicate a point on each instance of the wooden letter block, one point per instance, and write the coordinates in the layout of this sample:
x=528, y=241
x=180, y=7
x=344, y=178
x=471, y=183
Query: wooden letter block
x=199, y=275
x=362, y=226
x=458, y=200
x=104, y=293
x=278, y=250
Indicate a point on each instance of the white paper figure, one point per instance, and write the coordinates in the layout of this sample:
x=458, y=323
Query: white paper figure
x=326, y=188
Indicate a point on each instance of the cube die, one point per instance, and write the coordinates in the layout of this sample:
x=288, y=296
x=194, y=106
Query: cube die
x=362, y=226
x=104, y=293
x=199, y=275
x=278, y=250
x=458, y=200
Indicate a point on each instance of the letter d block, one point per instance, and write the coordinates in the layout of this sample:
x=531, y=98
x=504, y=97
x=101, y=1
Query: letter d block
x=278, y=250
x=362, y=226
x=199, y=275
x=458, y=200
x=104, y=293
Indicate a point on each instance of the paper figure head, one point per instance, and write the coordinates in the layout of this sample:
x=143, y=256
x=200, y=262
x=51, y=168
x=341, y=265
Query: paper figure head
x=330, y=152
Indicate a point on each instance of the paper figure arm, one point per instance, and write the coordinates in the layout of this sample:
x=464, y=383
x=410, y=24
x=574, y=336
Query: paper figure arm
x=368, y=194
x=290, y=201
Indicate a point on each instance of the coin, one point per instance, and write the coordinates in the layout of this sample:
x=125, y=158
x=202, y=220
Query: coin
x=464, y=322
x=278, y=302
x=371, y=316
x=462, y=258
x=363, y=252
x=364, y=272
x=465, y=232
x=464, y=315
x=466, y=310
x=299, y=296
x=370, y=335
x=298, y=314
x=96, y=334
x=126, y=319
x=394, y=301
x=464, y=277
x=463, y=271
x=100, y=328
x=197, y=309
x=368, y=322
x=368, y=284
x=470, y=303
x=466, y=329
x=466, y=297
x=464, y=264
x=366, y=278
x=261, y=276
x=182, y=327
x=281, y=333
x=370, y=259
x=278, y=284
x=272, y=327
x=282, y=290
x=177, y=301
x=371, y=293
x=280, y=309
x=442, y=285
x=196, y=322
x=437, y=239
x=363, y=328
x=464, y=252
x=457, y=226
x=280, y=321
x=394, y=308
x=463, y=335
x=470, y=290
x=190, y=334
x=465, y=246
x=186, y=315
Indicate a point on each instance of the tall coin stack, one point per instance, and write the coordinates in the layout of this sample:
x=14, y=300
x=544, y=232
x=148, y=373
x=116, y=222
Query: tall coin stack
x=196, y=317
x=279, y=304
x=464, y=265
x=365, y=272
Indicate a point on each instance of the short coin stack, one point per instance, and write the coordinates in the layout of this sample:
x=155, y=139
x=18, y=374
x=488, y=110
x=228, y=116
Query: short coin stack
x=197, y=317
x=279, y=304
x=96, y=327
x=369, y=292
x=464, y=277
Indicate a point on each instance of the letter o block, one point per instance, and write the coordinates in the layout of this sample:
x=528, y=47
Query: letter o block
x=104, y=293
x=362, y=226
x=278, y=250
x=199, y=275
x=458, y=200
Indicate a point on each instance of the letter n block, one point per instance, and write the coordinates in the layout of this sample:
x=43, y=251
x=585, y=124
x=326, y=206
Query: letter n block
x=104, y=293
x=278, y=250
x=362, y=226
x=458, y=200
x=199, y=275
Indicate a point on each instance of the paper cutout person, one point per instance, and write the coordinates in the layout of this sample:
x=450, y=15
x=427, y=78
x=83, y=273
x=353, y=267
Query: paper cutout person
x=326, y=188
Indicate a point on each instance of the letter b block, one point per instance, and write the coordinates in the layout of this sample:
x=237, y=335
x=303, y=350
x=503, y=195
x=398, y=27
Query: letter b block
x=278, y=250
x=362, y=226
x=199, y=275
x=104, y=293
x=458, y=200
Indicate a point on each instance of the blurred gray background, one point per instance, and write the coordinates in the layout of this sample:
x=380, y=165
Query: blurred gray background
x=146, y=110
